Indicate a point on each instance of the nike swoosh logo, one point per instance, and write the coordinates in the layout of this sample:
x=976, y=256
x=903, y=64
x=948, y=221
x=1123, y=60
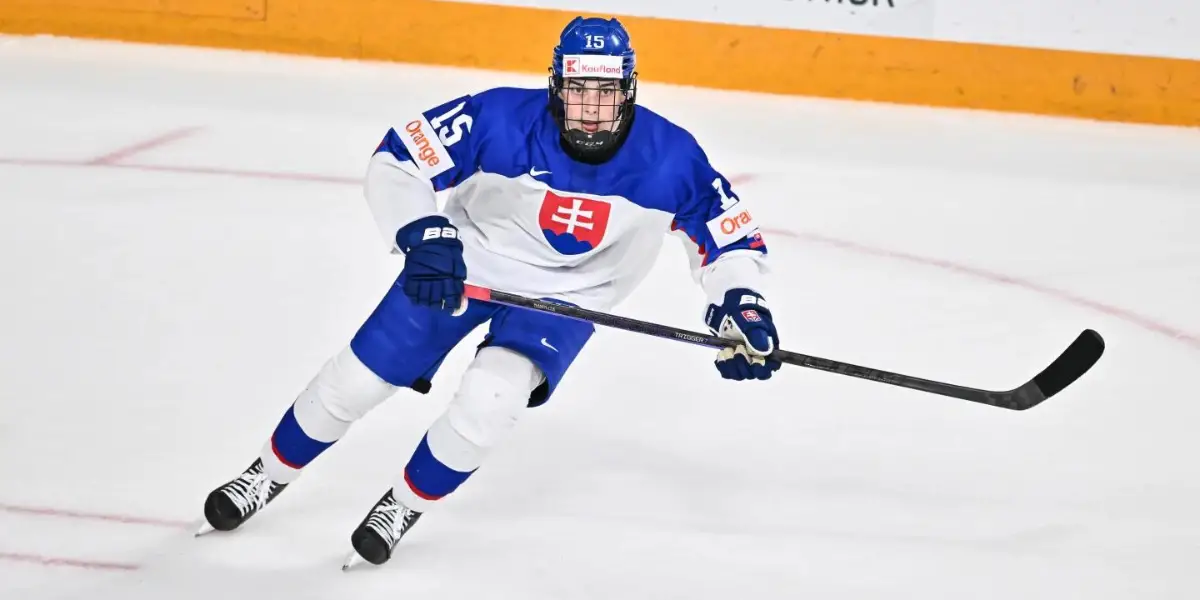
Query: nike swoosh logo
x=533, y=172
x=547, y=344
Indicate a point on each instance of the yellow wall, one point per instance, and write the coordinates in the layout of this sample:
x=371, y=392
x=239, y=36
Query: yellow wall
x=1108, y=87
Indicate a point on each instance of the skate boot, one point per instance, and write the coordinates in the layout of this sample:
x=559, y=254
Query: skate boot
x=230, y=505
x=380, y=531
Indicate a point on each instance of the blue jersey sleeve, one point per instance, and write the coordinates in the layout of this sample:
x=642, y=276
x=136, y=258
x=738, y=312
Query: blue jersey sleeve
x=712, y=216
x=442, y=142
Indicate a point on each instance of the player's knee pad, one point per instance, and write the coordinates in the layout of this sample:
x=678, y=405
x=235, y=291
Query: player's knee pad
x=346, y=389
x=340, y=393
x=493, y=394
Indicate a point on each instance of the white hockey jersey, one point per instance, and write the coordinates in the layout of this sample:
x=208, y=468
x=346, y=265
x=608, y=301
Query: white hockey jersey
x=535, y=222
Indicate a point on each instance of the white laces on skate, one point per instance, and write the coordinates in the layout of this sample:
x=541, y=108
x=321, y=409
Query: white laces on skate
x=389, y=521
x=249, y=491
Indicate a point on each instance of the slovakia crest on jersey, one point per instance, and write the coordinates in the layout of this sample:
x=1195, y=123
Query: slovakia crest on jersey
x=573, y=225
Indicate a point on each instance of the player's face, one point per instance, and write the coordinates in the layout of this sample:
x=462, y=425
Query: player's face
x=592, y=104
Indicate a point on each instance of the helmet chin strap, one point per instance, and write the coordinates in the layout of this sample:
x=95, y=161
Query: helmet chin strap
x=592, y=147
x=590, y=141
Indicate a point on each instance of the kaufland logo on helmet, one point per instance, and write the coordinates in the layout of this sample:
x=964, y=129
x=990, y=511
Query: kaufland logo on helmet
x=591, y=65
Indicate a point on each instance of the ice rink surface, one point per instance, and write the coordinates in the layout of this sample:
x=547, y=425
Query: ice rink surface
x=183, y=242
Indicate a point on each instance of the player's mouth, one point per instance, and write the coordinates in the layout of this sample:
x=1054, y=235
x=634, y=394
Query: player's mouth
x=591, y=126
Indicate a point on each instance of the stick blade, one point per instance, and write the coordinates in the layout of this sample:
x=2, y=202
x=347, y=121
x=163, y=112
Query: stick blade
x=1072, y=364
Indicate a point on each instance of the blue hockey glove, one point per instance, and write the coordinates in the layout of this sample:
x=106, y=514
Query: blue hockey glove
x=744, y=316
x=434, y=270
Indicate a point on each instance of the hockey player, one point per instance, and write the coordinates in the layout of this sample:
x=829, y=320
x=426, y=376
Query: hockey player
x=565, y=196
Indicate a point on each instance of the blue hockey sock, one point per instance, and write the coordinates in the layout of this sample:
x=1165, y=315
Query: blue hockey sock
x=429, y=478
x=305, y=431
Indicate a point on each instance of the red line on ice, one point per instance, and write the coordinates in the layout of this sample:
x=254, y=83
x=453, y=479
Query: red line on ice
x=1117, y=312
x=246, y=174
x=121, y=154
x=42, y=511
x=53, y=561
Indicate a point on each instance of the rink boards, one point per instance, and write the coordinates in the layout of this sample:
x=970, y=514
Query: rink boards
x=880, y=51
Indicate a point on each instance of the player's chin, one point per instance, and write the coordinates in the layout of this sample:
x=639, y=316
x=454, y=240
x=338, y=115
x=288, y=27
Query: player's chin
x=590, y=127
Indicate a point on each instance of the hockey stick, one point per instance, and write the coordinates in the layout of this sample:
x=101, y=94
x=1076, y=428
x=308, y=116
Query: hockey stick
x=1076, y=360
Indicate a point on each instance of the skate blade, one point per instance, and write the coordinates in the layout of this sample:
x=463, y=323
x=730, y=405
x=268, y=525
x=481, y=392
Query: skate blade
x=205, y=527
x=352, y=561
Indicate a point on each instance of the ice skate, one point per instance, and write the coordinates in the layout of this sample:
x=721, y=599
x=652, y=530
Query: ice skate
x=232, y=504
x=380, y=531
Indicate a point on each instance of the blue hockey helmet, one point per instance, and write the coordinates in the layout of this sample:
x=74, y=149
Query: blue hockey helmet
x=593, y=87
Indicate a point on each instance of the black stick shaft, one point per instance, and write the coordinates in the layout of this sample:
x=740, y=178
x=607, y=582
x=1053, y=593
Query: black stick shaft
x=1073, y=363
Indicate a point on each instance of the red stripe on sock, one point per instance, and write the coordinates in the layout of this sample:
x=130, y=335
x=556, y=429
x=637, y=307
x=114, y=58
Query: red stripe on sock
x=414, y=489
x=283, y=460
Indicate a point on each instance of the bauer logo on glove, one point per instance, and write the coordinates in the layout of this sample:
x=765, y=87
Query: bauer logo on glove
x=434, y=273
x=744, y=316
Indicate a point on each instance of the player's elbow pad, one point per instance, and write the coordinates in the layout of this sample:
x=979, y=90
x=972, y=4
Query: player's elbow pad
x=397, y=195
